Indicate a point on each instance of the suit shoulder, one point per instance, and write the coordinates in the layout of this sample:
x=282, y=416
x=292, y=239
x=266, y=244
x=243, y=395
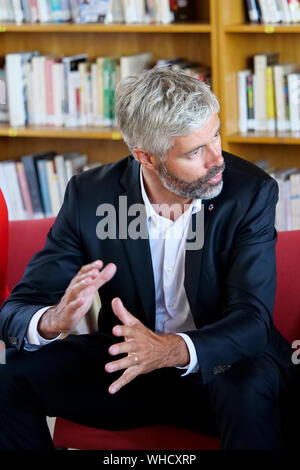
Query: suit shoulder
x=109, y=173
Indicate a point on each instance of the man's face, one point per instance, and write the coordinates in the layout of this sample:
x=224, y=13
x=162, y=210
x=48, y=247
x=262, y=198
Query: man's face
x=194, y=164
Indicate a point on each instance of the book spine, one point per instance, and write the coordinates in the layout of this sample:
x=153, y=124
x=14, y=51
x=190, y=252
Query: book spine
x=26, y=10
x=106, y=92
x=15, y=90
x=270, y=97
x=44, y=12
x=33, y=185
x=285, y=12
x=250, y=103
x=287, y=125
x=100, y=117
x=261, y=100
x=58, y=97
x=253, y=12
x=294, y=93
x=56, y=12
x=18, y=12
x=242, y=100
x=34, y=12
x=24, y=188
x=43, y=181
x=112, y=90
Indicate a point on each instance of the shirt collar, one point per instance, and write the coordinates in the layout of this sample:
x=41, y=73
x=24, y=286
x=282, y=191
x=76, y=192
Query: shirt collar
x=196, y=203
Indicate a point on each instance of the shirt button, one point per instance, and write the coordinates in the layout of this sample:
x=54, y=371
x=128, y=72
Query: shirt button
x=172, y=305
x=169, y=269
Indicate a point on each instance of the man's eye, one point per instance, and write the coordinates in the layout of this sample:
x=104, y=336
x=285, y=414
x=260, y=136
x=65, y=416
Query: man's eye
x=196, y=153
x=217, y=134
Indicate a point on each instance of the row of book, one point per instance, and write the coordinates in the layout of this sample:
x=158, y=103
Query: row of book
x=97, y=11
x=72, y=91
x=269, y=96
x=288, y=207
x=34, y=185
x=273, y=11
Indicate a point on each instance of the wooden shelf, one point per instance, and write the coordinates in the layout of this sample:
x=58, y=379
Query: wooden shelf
x=97, y=133
x=287, y=138
x=106, y=28
x=263, y=28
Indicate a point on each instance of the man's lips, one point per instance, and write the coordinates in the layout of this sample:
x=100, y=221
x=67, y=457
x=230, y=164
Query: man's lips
x=216, y=179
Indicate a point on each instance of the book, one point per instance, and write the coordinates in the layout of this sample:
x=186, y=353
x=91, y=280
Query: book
x=53, y=185
x=294, y=100
x=4, y=117
x=183, y=10
x=44, y=186
x=16, y=87
x=74, y=163
x=10, y=174
x=242, y=100
x=251, y=124
x=29, y=162
x=71, y=64
x=252, y=11
x=18, y=12
x=261, y=62
x=23, y=184
x=44, y=11
x=282, y=118
x=26, y=10
x=34, y=11
x=5, y=190
x=114, y=12
x=270, y=11
x=285, y=11
x=294, y=7
x=270, y=97
x=135, y=63
x=62, y=175
x=91, y=11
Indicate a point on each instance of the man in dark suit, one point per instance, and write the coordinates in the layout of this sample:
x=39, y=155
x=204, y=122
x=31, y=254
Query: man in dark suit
x=185, y=329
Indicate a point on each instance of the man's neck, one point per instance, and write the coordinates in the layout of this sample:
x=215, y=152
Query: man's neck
x=161, y=198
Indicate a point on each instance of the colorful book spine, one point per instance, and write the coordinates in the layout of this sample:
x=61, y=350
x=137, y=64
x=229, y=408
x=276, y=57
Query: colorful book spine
x=270, y=97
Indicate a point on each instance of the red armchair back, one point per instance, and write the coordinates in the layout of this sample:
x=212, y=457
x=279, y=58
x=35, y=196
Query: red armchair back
x=3, y=248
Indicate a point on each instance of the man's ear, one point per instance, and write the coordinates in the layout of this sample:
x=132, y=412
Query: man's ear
x=148, y=161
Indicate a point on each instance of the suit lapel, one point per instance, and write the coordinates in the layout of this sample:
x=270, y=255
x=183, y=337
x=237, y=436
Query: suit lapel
x=137, y=250
x=193, y=258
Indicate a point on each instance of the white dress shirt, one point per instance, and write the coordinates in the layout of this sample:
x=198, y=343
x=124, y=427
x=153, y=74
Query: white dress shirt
x=167, y=244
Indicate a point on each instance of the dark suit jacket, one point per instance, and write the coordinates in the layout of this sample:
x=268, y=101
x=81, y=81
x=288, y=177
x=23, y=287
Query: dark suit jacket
x=230, y=282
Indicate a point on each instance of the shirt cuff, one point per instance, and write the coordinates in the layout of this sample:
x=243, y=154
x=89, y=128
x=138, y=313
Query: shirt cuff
x=193, y=366
x=32, y=334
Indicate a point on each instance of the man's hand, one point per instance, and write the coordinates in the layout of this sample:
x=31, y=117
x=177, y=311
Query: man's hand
x=77, y=300
x=146, y=350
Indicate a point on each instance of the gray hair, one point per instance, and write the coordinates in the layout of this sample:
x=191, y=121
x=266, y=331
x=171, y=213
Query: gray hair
x=161, y=104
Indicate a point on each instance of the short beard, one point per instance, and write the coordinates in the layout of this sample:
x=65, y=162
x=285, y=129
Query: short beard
x=199, y=189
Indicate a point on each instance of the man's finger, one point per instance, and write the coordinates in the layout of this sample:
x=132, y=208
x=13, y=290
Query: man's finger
x=122, y=348
x=122, y=313
x=125, y=378
x=106, y=275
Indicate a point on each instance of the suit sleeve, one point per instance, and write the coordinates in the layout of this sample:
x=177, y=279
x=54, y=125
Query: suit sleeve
x=244, y=327
x=48, y=273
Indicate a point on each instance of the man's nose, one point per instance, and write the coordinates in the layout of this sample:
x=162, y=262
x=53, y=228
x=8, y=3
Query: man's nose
x=214, y=156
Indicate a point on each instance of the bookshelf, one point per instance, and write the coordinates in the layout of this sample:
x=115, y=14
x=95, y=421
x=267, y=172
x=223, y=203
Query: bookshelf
x=237, y=42
x=196, y=41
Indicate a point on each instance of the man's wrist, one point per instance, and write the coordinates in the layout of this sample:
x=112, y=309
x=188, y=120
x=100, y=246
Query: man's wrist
x=177, y=352
x=45, y=325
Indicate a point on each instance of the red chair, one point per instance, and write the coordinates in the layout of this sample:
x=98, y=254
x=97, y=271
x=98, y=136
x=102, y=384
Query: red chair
x=4, y=292
x=71, y=435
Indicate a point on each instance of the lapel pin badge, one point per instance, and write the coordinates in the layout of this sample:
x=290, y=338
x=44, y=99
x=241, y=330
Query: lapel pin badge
x=211, y=207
